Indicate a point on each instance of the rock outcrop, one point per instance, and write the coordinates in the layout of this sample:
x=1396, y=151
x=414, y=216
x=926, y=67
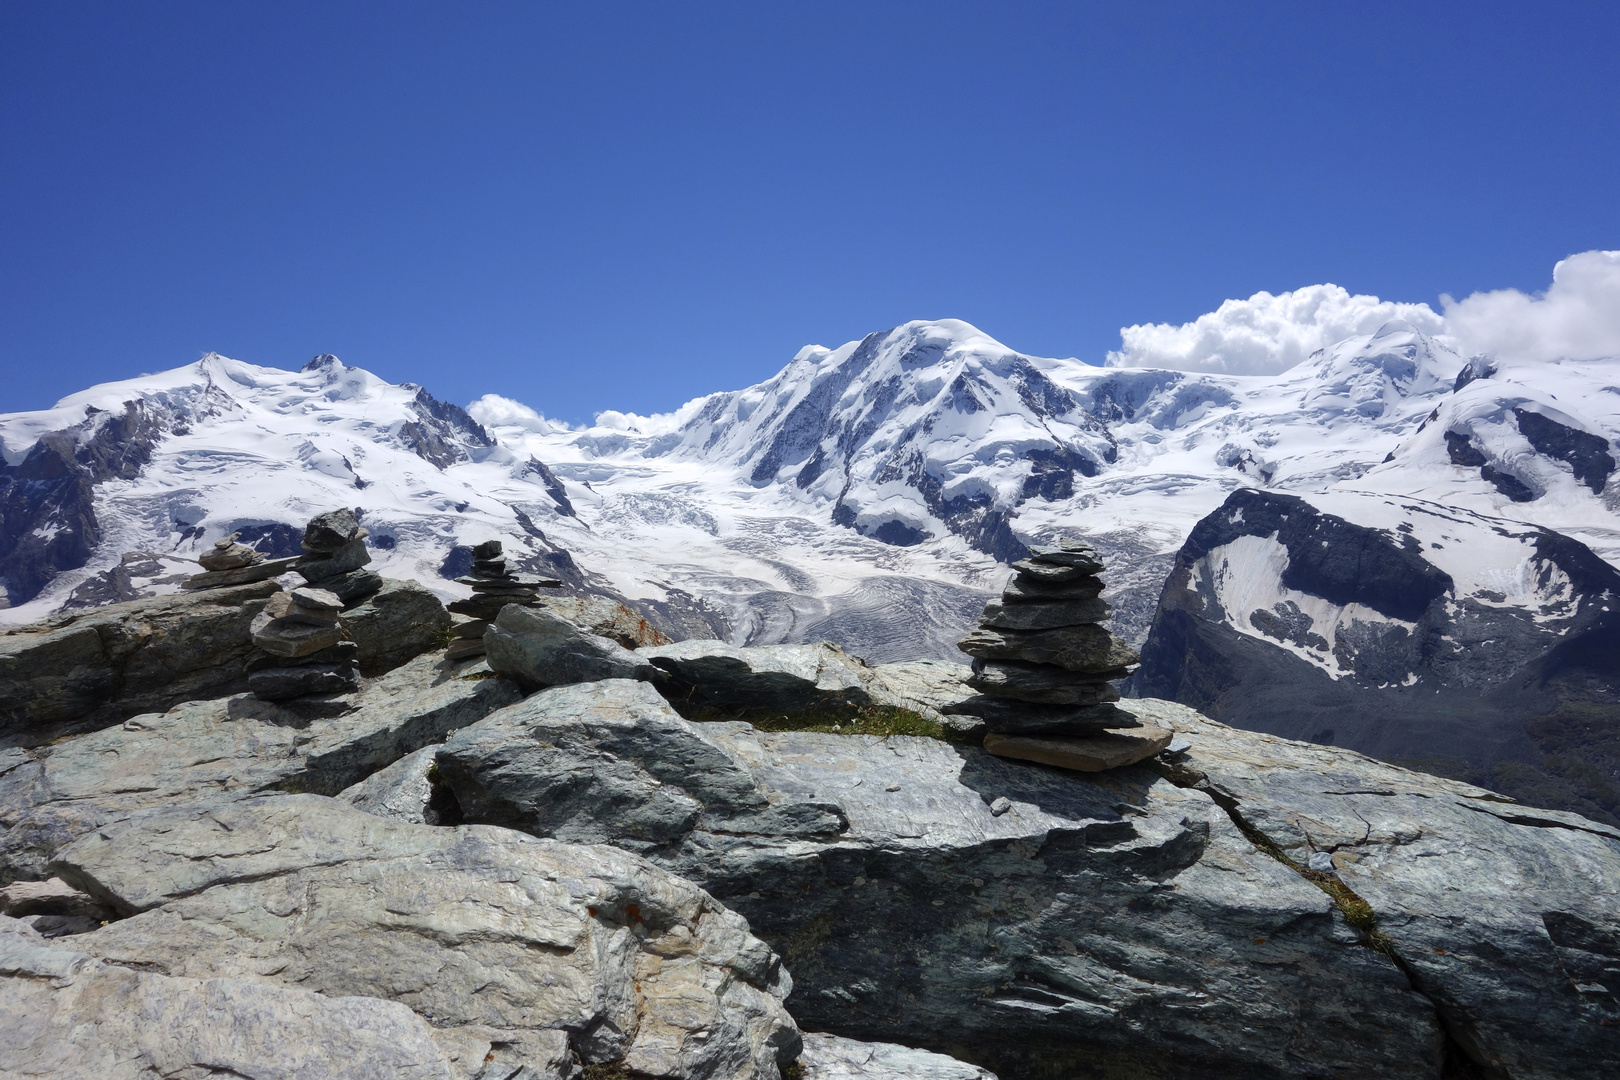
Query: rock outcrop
x=487, y=935
x=398, y=622
x=538, y=648
x=236, y=747
x=1139, y=921
x=91, y=668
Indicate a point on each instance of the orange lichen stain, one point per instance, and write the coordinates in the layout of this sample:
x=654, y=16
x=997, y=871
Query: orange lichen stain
x=1259, y=941
x=591, y=912
x=1439, y=952
x=632, y=912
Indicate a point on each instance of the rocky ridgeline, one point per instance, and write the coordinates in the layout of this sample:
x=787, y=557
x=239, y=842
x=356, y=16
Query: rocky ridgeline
x=1044, y=667
x=494, y=587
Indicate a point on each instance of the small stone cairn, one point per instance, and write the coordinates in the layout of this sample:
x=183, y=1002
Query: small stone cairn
x=232, y=563
x=493, y=586
x=1042, y=668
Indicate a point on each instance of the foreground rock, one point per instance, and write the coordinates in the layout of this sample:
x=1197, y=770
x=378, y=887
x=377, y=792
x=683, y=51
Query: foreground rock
x=713, y=677
x=1051, y=923
x=235, y=747
x=526, y=942
x=65, y=1015
x=609, y=618
x=1115, y=916
x=1506, y=917
x=92, y=668
x=538, y=648
x=828, y=1057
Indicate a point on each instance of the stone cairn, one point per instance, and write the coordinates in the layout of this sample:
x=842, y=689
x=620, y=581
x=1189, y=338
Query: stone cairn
x=232, y=563
x=493, y=586
x=1043, y=667
x=305, y=650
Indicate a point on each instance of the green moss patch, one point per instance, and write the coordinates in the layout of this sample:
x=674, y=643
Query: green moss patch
x=831, y=718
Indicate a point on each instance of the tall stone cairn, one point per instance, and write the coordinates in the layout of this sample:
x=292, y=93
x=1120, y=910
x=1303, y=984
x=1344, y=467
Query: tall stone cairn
x=337, y=555
x=494, y=586
x=1042, y=664
x=303, y=648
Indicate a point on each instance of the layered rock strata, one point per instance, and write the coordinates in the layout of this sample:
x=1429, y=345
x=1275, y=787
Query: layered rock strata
x=494, y=587
x=1043, y=668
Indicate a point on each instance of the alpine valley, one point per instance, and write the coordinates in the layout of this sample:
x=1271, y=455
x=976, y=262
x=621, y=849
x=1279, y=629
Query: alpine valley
x=1391, y=547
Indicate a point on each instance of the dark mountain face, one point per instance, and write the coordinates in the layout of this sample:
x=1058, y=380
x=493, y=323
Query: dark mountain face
x=1523, y=697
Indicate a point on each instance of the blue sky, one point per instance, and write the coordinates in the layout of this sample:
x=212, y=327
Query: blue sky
x=623, y=206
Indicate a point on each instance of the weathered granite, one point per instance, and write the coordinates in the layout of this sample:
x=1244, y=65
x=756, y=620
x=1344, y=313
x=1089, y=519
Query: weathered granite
x=1505, y=916
x=1098, y=922
x=401, y=620
x=609, y=618
x=539, y=648
x=235, y=746
x=829, y=1057
x=468, y=925
x=95, y=667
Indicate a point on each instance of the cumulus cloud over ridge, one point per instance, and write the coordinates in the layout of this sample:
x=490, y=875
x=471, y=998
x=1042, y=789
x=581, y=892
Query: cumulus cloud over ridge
x=1265, y=334
x=1577, y=318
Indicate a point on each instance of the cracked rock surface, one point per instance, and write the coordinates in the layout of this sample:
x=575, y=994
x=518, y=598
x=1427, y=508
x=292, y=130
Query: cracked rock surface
x=466, y=926
x=1506, y=917
x=236, y=747
x=1099, y=924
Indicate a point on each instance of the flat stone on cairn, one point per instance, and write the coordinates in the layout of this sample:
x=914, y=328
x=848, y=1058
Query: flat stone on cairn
x=230, y=563
x=1043, y=668
x=494, y=587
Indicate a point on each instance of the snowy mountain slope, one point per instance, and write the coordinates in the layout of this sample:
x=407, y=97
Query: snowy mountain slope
x=171, y=462
x=865, y=492
x=1402, y=628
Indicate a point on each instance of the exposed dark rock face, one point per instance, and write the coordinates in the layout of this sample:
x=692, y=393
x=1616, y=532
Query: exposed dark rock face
x=1465, y=685
x=96, y=668
x=48, y=520
x=1588, y=455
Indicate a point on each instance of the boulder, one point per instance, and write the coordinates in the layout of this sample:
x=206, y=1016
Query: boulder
x=465, y=926
x=609, y=618
x=330, y=531
x=538, y=648
x=611, y=762
x=96, y=667
x=353, y=585
x=400, y=621
x=829, y=1057
x=1504, y=916
x=235, y=746
x=1140, y=918
x=405, y=791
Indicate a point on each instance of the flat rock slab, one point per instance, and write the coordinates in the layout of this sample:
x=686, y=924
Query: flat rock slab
x=828, y=1057
x=1083, y=753
x=465, y=926
x=245, y=575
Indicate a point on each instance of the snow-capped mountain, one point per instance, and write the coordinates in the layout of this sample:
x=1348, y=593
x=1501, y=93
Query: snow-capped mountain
x=870, y=493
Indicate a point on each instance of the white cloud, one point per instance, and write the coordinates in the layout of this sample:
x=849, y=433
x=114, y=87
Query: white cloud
x=1266, y=334
x=1577, y=318
x=493, y=410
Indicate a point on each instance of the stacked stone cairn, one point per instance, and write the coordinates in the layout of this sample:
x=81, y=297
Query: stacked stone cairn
x=493, y=586
x=233, y=563
x=1043, y=668
x=337, y=556
x=304, y=648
